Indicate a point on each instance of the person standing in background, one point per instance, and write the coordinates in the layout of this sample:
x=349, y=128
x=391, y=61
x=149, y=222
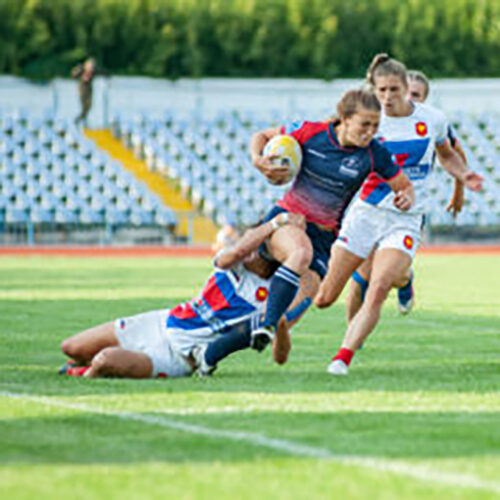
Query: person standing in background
x=85, y=73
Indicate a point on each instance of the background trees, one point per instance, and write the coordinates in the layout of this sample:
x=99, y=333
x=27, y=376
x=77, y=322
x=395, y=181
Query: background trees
x=272, y=38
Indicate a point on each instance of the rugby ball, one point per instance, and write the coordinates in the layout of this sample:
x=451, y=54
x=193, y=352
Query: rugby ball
x=288, y=152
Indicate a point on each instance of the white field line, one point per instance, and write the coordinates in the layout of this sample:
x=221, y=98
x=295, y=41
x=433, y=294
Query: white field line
x=289, y=447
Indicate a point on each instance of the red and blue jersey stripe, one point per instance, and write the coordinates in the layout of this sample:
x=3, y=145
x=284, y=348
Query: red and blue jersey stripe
x=219, y=303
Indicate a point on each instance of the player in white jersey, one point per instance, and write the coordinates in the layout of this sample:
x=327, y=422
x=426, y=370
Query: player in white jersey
x=418, y=91
x=412, y=132
x=164, y=343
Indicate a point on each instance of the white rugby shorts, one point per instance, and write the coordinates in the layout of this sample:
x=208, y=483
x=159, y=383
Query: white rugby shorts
x=367, y=226
x=148, y=333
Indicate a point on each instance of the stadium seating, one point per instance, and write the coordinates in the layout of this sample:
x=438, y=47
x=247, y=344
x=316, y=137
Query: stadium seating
x=51, y=174
x=210, y=160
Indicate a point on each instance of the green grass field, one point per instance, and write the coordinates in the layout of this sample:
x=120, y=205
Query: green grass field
x=418, y=416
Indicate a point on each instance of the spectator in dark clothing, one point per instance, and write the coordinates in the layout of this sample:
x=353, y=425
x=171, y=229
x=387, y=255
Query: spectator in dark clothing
x=85, y=73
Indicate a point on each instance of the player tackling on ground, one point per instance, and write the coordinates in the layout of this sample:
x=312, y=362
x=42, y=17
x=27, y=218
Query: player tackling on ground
x=172, y=342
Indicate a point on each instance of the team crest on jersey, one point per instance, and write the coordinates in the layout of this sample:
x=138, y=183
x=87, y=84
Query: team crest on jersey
x=122, y=324
x=421, y=128
x=408, y=242
x=261, y=293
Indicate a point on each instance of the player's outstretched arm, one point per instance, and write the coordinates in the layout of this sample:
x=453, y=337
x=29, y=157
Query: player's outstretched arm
x=455, y=166
x=457, y=199
x=254, y=237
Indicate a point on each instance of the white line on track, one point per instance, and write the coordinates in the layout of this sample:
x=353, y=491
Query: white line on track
x=289, y=447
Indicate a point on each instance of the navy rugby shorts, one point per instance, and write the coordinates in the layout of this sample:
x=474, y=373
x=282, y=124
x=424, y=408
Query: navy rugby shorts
x=321, y=241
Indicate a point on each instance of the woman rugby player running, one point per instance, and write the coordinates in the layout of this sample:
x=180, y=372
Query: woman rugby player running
x=418, y=91
x=412, y=132
x=338, y=155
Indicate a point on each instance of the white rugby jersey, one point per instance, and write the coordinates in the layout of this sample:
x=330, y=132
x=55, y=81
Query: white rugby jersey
x=411, y=141
x=229, y=297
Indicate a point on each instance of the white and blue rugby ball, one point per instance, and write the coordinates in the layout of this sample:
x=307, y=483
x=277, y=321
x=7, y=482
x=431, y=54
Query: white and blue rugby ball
x=288, y=152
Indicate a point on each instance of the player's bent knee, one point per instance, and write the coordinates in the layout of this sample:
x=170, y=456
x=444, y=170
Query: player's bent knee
x=302, y=258
x=327, y=296
x=70, y=348
x=402, y=280
x=377, y=292
x=321, y=301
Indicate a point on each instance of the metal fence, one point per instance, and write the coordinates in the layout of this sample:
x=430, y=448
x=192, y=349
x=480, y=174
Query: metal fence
x=30, y=233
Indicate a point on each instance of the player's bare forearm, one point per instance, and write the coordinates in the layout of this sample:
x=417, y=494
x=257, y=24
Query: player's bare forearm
x=458, y=148
x=451, y=160
x=276, y=174
x=404, y=193
x=254, y=237
x=258, y=141
x=454, y=165
x=457, y=200
x=250, y=241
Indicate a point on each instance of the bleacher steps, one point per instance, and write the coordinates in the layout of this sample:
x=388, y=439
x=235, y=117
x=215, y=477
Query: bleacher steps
x=203, y=229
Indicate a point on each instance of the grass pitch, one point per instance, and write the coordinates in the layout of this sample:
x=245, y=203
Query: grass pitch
x=418, y=416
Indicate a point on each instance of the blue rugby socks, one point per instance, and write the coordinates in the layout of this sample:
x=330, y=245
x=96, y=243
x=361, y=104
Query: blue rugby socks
x=235, y=339
x=298, y=310
x=361, y=282
x=282, y=291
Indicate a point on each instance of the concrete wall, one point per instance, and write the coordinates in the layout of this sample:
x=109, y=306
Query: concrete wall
x=313, y=99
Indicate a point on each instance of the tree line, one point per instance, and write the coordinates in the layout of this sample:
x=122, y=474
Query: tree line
x=324, y=39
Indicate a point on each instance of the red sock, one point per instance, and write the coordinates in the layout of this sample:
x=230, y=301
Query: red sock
x=77, y=371
x=345, y=355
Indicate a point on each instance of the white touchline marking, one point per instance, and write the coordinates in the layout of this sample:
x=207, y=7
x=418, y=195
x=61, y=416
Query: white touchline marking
x=290, y=447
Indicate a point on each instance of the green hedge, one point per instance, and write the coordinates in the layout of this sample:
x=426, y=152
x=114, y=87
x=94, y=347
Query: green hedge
x=272, y=38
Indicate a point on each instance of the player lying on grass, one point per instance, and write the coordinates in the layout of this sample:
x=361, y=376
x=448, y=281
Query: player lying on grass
x=172, y=343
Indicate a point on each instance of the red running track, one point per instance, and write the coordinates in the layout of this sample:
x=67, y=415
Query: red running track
x=188, y=251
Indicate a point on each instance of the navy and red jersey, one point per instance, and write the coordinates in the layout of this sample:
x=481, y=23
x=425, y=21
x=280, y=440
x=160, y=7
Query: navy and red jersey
x=330, y=174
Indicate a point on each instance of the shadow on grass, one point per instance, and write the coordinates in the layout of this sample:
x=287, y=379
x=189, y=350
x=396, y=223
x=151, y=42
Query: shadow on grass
x=88, y=438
